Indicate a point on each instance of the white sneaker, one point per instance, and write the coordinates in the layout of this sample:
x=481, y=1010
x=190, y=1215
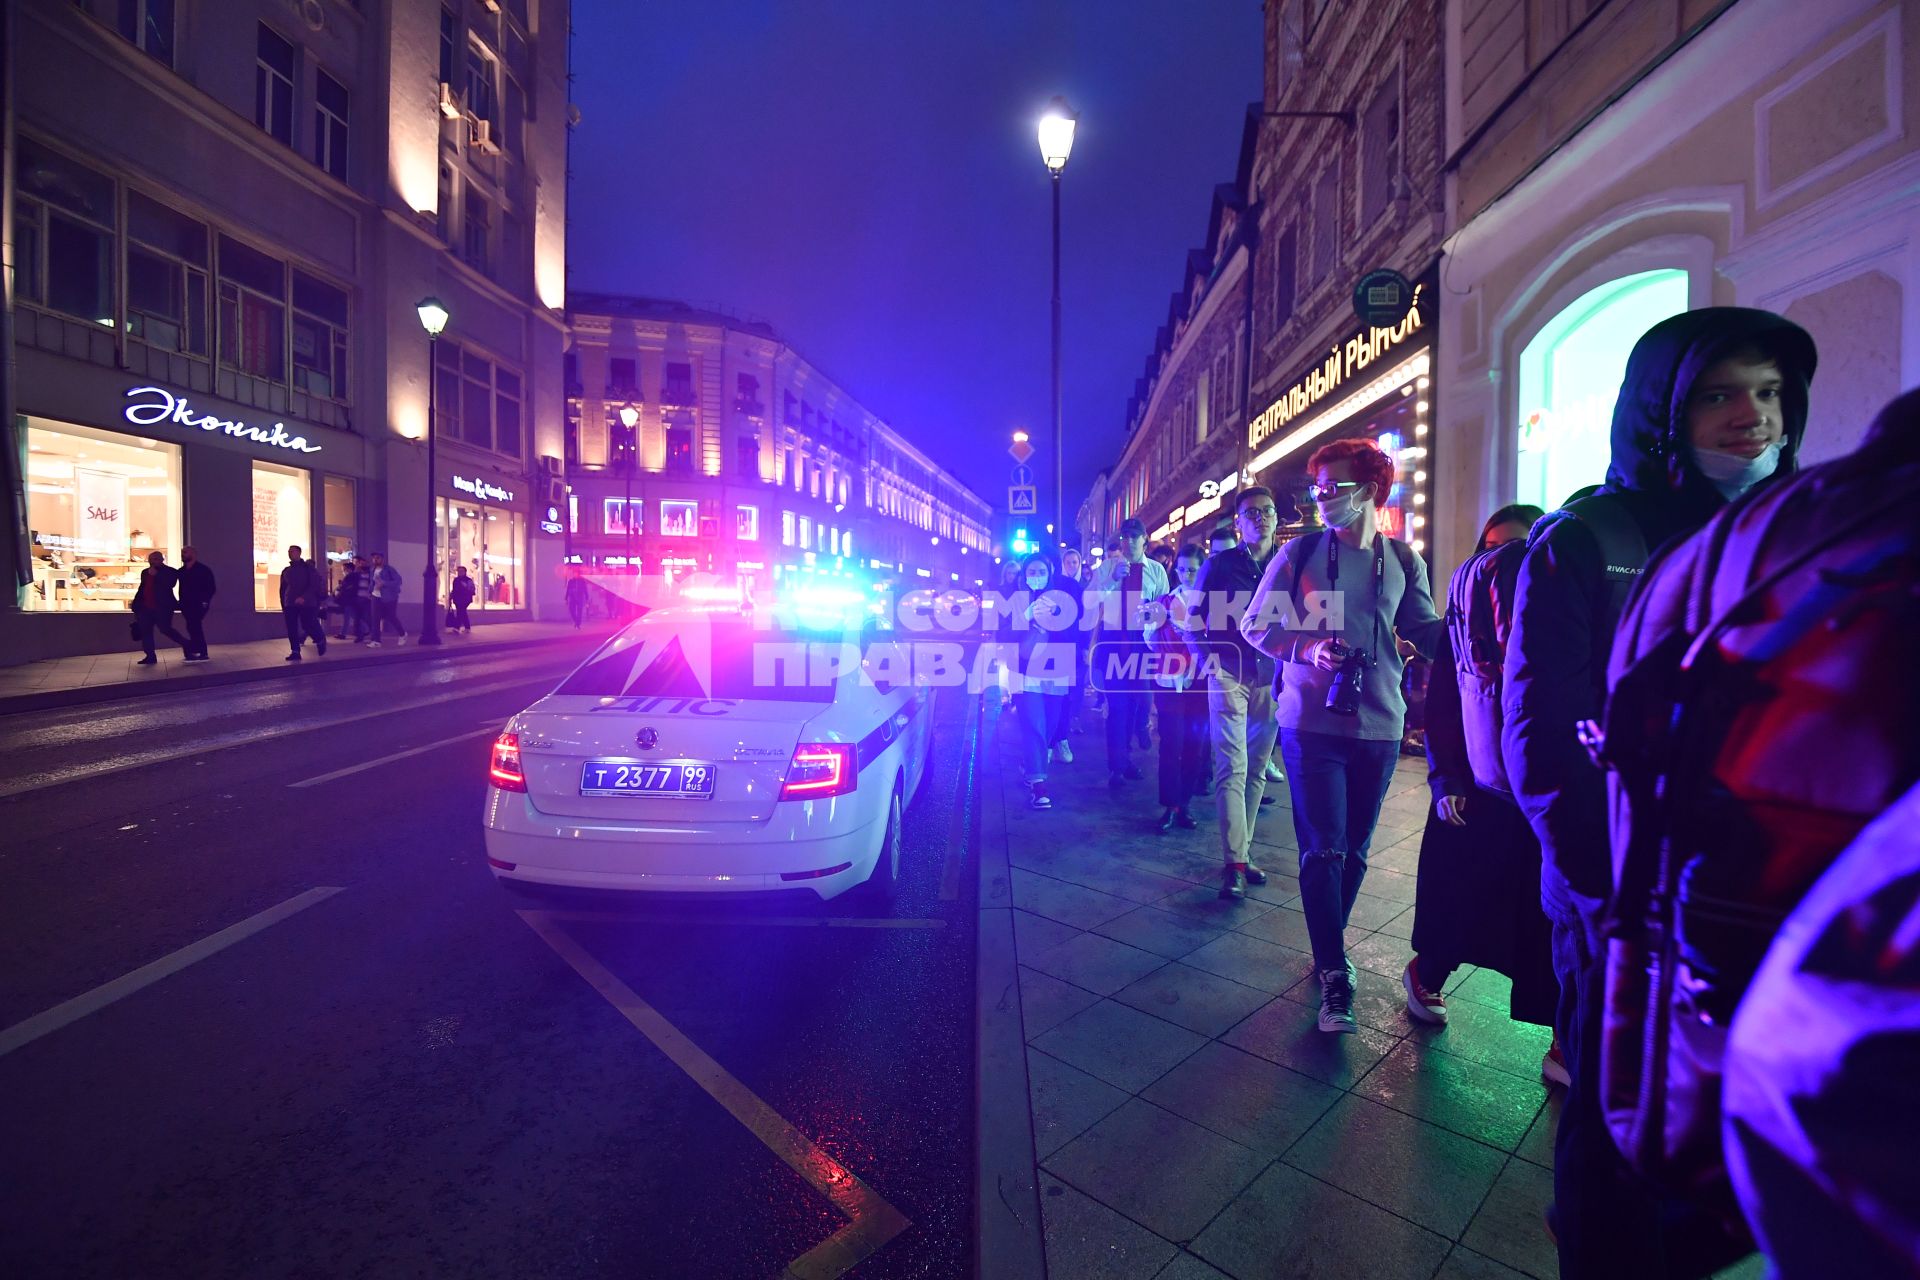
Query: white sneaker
x=1273, y=772
x=373, y=644
x=1336, y=1003
x=1063, y=752
x=402, y=642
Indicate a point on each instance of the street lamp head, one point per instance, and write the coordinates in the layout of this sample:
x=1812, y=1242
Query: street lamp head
x=629, y=416
x=433, y=316
x=1019, y=437
x=1056, y=134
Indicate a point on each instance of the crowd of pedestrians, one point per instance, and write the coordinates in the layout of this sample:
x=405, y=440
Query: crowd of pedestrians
x=1656, y=719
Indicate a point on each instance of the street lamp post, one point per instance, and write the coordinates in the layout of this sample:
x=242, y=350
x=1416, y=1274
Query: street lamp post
x=629, y=418
x=1056, y=142
x=433, y=318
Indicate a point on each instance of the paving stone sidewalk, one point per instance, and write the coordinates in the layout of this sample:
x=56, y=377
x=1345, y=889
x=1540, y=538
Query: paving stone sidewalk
x=1189, y=1119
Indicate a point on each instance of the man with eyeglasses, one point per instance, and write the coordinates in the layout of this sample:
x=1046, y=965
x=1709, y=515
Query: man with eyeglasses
x=1239, y=685
x=1330, y=608
x=1124, y=583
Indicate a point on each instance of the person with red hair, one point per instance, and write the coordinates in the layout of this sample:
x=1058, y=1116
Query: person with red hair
x=1331, y=608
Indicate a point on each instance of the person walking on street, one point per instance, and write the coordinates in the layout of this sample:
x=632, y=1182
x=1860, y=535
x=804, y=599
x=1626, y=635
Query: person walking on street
x=385, y=589
x=577, y=596
x=1477, y=894
x=459, y=596
x=1340, y=709
x=301, y=589
x=1240, y=717
x=1713, y=402
x=1179, y=699
x=351, y=596
x=1126, y=583
x=196, y=589
x=153, y=606
x=1071, y=580
x=1045, y=646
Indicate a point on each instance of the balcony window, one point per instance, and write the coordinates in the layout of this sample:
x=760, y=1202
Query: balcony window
x=621, y=382
x=677, y=388
x=680, y=448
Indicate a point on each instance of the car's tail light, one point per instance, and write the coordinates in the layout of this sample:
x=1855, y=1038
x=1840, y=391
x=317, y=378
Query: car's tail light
x=505, y=772
x=820, y=769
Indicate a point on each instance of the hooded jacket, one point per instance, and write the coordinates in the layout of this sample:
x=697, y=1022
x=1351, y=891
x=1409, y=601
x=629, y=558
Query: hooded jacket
x=1564, y=617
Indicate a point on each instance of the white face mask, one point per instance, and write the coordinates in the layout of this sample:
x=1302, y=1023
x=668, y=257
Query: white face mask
x=1732, y=474
x=1036, y=584
x=1337, y=514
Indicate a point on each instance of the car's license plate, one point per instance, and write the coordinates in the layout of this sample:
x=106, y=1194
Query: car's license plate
x=628, y=778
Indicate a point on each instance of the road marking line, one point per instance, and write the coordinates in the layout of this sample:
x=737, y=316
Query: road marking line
x=186, y=751
x=71, y=1011
x=872, y=1222
x=398, y=755
x=798, y=922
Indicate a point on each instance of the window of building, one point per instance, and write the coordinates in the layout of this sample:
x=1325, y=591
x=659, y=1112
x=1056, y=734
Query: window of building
x=679, y=447
x=679, y=518
x=806, y=533
x=443, y=211
x=506, y=412
x=97, y=503
x=846, y=543
x=786, y=528
x=747, y=395
x=1202, y=405
x=476, y=228
x=273, y=85
x=746, y=456
x=570, y=374
x=166, y=277
x=478, y=401
x=253, y=311
x=624, y=450
x=449, y=48
x=338, y=527
x=571, y=442
x=490, y=544
x=480, y=85
x=746, y=523
x=282, y=518
x=1286, y=277
x=1379, y=151
x=319, y=337
x=330, y=104
x=64, y=222
x=677, y=385
x=149, y=25
x=621, y=382
x=1326, y=222
x=617, y=515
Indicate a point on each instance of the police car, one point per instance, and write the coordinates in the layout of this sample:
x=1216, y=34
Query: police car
x=713, y=751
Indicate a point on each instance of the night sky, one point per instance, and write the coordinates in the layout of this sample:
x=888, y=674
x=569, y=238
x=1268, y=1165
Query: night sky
x=864, y=175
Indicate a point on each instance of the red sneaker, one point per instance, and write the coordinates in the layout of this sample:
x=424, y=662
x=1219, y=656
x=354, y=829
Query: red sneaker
x=1553, y=1067
x=1422, y=1005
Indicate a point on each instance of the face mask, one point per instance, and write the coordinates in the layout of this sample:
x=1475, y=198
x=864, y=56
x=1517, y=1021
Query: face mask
x=1732, y=474
x=1039, y=584
x=1342, y=515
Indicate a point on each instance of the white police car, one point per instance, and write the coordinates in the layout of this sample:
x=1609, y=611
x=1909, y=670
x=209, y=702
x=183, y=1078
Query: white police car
x=706, y=751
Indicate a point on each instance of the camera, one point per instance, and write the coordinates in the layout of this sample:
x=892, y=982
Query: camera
x=1343, y=699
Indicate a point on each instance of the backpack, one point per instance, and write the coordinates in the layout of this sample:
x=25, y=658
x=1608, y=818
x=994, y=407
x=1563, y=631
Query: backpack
x=1482, y=598
x=1761, y=714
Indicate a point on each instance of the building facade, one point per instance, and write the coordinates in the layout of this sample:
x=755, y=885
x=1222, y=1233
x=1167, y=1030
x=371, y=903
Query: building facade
x=698, y=442
x=1263, y=356
x=1614, y=163
x=221, y=219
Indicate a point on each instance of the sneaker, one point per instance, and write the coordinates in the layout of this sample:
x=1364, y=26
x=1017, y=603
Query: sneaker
x=292, y=657
x=373, y=644
x=1553, y=1067
x=1422, y=1005
x=1265, y=801
x=1185, y=822
x=1254, y=874
x=1037, y=797
x=1336, y=1003
x=196, y=657
x=1233, y=882
x=1063, y=752
x=146, y=662
x=401, y=641
x=1273, y=772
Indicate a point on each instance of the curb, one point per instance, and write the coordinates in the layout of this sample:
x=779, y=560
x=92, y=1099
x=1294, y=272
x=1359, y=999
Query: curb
x=1008, y=1233
x=87, y=695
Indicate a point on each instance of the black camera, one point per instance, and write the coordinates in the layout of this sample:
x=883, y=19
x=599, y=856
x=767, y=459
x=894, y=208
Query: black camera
x=1350, y=681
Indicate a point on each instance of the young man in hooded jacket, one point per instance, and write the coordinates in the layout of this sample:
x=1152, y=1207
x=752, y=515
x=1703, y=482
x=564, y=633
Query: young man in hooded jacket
x=1713, y=402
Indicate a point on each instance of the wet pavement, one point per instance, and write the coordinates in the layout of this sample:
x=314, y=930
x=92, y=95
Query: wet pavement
x=404, y=1076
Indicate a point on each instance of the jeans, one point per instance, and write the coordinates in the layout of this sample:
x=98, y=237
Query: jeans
x=303, y=620
x=163, y=623
x=386, y=613
x=460, y=620
x=1240, y=721
x=1337, y=784
x=192, y=614
x=1038, y=712
x=1126, y=710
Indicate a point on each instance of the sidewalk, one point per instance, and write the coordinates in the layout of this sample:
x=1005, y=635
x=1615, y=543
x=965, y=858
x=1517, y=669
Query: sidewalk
x=1189, y=1120
x=63, y=682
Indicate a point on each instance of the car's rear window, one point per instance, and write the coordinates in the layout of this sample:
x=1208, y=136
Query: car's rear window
x=725, y=658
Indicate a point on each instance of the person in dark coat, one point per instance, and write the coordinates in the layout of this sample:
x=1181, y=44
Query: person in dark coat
x=1713, y=402
x=301, y=588
x=460, y=597
x=1180, y=701
x=196, y=587
x=153, y=607
x=1477, y=897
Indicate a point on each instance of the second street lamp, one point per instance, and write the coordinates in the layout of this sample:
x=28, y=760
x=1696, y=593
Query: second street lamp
x=1056, y=143
x=433, y=318
x=629, y=418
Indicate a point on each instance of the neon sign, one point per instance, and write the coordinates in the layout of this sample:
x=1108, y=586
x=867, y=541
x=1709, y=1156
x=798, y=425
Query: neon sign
x=1342, y=361
x=168, y=407
x=485, y=490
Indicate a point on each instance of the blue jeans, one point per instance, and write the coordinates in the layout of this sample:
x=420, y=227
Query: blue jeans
x=1038, y=713
x=1337, y=785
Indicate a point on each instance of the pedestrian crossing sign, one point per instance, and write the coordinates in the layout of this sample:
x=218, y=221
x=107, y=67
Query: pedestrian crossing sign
x=1020, y=500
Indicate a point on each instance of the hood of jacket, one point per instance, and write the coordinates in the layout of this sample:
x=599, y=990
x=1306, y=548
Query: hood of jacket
x=1650, y=449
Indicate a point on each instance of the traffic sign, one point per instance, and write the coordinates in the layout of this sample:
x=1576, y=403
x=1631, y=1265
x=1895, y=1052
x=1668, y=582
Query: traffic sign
x=1020, y=450
x=1022, y=475
x=1020, y=500
x=1382, y=298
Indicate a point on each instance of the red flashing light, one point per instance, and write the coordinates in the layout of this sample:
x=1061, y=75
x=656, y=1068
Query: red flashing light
x=504, y=771
x=819, y=770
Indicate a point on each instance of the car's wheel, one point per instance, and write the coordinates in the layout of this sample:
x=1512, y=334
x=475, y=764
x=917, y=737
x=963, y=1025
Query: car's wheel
x=886, y=868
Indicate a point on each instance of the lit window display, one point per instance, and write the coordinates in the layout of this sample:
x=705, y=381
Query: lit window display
x=679, y=519
x=97, y=504
x=746, y=523
x=282, y=518
x=337, y=510
x=1570, y=375
x=614, y=512
x=491, y=542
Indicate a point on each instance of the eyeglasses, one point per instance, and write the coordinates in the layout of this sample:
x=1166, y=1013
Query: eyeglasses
x=1259, y=513
x=1331, y=489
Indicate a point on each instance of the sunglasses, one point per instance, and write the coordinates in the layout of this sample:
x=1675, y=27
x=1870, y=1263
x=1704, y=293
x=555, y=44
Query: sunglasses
x=1331, y=489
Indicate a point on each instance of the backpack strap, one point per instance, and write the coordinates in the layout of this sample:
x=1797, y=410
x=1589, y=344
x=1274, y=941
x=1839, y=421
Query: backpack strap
x=1623, y=547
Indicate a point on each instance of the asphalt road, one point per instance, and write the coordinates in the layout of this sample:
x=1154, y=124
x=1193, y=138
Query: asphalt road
x=403, y=1077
